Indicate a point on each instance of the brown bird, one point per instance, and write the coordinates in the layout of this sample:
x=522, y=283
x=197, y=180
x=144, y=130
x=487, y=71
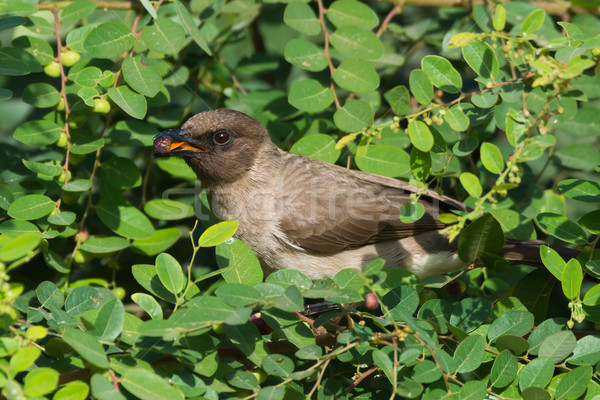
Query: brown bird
x=297, y=212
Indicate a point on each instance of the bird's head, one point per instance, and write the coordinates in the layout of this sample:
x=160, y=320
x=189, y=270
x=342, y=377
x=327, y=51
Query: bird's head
x=219, y=145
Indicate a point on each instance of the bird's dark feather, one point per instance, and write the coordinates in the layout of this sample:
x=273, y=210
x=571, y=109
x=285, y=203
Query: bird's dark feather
x=322, y=218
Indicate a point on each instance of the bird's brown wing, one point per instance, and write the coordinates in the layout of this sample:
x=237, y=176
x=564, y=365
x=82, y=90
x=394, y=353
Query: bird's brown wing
x=326, y=208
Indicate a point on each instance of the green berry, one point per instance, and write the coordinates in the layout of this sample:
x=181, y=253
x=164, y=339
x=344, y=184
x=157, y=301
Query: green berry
x=52, y=69
x=101, y=106
x=69, y=58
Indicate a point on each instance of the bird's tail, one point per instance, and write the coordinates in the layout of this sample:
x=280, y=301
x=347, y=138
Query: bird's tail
x=528, y=252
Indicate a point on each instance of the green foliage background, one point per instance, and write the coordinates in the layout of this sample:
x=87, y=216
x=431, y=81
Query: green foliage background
x=497, y=106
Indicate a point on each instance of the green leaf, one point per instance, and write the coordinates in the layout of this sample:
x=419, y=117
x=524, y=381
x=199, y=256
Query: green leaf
x=491, y=157
x=537, y=372
x=170, y=273
x=354, y=116
x=157, y=243
x=37, y=133
x=16, y=62
x=592, y=296
x=41, y=95
x=72, y=391
x=77, y=185
x=587, y=351
x=149, y=8
x=243, y=380
x=49, y=169
x=142, y=78
x=357, y=42
x=384, y=160
x=357, y=76
x=472, y=390
x=484, y=235
x=146, y=385
x=238, y=294
x=318, y=146
x=87, y=346
x=465, y=147
x=306, y=55
x=245, y=267
x=471, y=184
x=103, y=388
x=24, y=358
x=271, y=393
x=248, y=340
x=84, y=143
x=515, y=128
x=63, y=218
x=168, y=210
x=579, y=189
x=456, y=118
x=578, y=156
x=132, y=133
x=469, y=353
x=278, y=365
x=420, y=164
x=420, y=135
x=504, y=369
x=426, y=372
x=129, y=101
x=191, y=27
x=470, y=313
x=77, y=11
x=290, y=300
x=40, y=381
x=561, y=227
x=124, y=220
x=109, y=40
x=352, y=13
x=574, y=383
x=19, y=246
x=308, y=95
x=110, y=320
x=572, y=278
x=399, y=99
x=383, y=362
x=121, y=172
x=442, y=74
x=532, y=22
x=499, y=20
x=164, y=36
x=420, y=86
x=514, y=322
x=218, y=233
x=558, y=346
x=553, y=261
x=31, y=206
x=102, y=245
x=481, y=58
x=148, y=304
x=82, y=299
x=300, y=17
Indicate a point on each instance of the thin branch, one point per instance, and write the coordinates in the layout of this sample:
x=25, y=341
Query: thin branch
x=326, y=51
x=388, y=18
x=63, y=93
x=106, y=5
x=358, y=380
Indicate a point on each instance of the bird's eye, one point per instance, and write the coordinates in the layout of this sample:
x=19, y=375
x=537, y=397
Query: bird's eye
x=221, y=137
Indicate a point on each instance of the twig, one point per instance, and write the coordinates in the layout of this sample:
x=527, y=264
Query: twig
x=319, y=379
x=358, y=380
x=326, y=51
x=388, y=18
x=63, y=94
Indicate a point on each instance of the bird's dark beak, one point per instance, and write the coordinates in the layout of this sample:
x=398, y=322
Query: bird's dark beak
x=176, y=142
